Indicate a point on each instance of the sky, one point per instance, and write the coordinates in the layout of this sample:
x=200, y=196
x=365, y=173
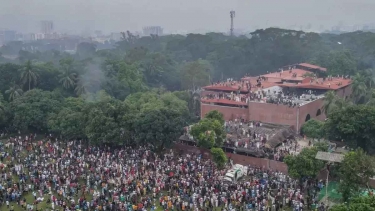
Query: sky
x=77, y=16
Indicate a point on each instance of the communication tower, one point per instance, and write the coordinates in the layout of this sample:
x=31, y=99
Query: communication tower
x=232, y=15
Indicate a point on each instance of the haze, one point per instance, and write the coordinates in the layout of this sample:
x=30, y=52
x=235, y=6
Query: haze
x=76, y=16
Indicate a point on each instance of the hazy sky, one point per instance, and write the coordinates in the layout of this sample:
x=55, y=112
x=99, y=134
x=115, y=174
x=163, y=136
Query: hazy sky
x=180, y=15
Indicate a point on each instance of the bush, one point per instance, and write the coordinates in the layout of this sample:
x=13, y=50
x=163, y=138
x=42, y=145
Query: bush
x=219, y=157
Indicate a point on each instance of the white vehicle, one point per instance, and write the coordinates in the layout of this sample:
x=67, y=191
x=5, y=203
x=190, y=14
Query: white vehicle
x=236, y=173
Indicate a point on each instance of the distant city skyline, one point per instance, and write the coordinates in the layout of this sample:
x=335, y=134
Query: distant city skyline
x=198, y=16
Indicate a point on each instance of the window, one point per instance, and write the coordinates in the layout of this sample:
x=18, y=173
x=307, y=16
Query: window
x=307, y=117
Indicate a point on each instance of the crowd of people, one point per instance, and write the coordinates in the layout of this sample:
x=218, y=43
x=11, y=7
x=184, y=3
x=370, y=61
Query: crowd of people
x=43, y=173
x=253, y=136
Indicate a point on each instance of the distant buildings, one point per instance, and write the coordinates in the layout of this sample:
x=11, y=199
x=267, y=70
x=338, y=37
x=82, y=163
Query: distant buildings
x=155, y=30
x=7, y=36
x=47, y=27
x=116, y=36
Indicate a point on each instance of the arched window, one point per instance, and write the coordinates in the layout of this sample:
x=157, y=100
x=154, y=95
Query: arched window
x=318, y=112
x=307, y=117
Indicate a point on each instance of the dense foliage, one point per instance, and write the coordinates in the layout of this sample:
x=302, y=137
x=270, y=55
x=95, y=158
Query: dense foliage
x=219, y=157
x=355, y=172
x=209, y=131
x=82, y=95
x=305, y=165
x=364, y=203
x=313, y=129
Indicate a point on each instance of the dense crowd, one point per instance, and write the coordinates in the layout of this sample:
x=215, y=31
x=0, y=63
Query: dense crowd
x=253, y=136
x=71, y=175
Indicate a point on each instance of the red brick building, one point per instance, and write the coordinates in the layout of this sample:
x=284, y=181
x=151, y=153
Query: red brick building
x=290, y=96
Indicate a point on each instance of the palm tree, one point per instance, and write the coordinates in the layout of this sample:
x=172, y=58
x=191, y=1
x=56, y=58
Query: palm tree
x=359, y=87
x=67, y=79
x=81, y=88
x=371, y=98
x=369, y=75
x=14, y=91
x=29, y=75
x=329, y=102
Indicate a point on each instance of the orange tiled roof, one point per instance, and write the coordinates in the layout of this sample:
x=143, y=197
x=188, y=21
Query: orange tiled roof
x=334, y=84
x=226, y=86
x=287, y=75
x=312, y=66
x=265, y=84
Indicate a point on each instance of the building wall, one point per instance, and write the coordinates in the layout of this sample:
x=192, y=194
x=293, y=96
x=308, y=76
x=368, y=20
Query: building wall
x=311, y=110
x=273, y=113
x=345, y=92
x=237, y=159
x=205, y=93
x=276, y=114
x=230, y=113
x=246, y=160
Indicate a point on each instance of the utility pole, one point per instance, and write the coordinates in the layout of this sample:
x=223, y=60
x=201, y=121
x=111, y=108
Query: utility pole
x=232, y=15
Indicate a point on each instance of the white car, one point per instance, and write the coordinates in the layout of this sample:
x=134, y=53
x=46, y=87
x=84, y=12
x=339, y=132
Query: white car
x=236, y=173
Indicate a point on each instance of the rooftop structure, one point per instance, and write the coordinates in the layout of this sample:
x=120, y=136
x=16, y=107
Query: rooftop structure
x=292, y=86
x=251, y=138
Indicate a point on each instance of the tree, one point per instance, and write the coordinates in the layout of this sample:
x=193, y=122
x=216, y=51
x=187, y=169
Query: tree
x=81, y=87
x=151, y=103
x=31, y=110
x=354, y=125
x=313, y=129
x=359, y=88
x=333, y=102
x=209, y=133
x=142, y=101
x=219, y=157
x=104, y=116
x=159, y=127
x=70, y=121
x=355, y=172
x=195, y=74
x=48, y=79
x=67, y=76
x=215, y=114
x=305, y=164
x=340, y=62
x=86, y=49
x=3, y=111
x=14, y=91
x=361, y=206
x=122, y=79
x=29, y=75
x=10, y=73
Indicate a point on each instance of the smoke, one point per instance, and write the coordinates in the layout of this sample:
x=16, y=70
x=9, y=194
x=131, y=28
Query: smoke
x=91, y=82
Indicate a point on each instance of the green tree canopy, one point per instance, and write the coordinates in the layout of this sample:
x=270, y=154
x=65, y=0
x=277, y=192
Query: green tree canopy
x=355, y=172
x=305, y=164
x=353, y=124
x=215, y=114
x=31, y=110
x=313, y=129
x=70, y=121
x=209, y=133
x=159, y=127
x=195, y=74
x=219, y=157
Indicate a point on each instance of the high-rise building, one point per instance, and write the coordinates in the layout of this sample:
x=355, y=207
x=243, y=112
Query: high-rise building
x=47, y=27
x=7, y=36
x=155, y=30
